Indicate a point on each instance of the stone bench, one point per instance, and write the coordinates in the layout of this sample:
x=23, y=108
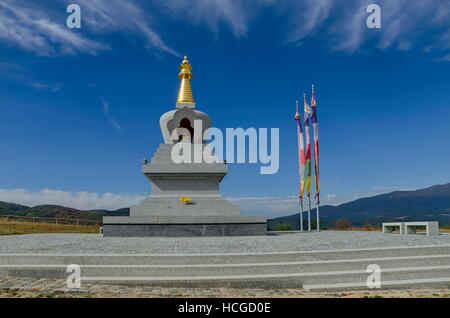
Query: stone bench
x=432, y=228
x=390, y=227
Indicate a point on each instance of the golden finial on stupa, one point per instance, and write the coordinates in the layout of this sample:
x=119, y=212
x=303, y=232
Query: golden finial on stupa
x=185, y=92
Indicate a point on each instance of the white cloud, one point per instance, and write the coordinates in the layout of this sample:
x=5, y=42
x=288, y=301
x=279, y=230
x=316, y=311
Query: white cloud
x=277, y=206
x=32, y=28
x=269, y=206
x=6, y=68
x=84, y=200
x=343, y=23
x=107, y=112
x=236, y=14
x=39, y=86
x=40, y=27
x=106, y=16
x=406, y=24
x=16, y=73
x=80, y=200
x=47, y=87
x=307, y=17
x=13, y=72
x=445, y=58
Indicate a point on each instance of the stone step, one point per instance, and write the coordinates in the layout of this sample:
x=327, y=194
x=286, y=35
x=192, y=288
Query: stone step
x=334, y=269
x=391, y=284
x=291, y=280
x=221, y=258
x=398, y=273
x=58, y=270
x=390, y=278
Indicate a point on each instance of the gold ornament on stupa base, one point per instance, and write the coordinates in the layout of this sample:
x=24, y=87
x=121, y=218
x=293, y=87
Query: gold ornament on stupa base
x=185, y=92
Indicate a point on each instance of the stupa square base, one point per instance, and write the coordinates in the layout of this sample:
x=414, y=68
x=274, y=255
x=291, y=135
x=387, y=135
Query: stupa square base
x=187, y=226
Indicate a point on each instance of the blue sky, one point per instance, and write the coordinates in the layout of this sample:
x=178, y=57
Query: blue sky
x=79, y=109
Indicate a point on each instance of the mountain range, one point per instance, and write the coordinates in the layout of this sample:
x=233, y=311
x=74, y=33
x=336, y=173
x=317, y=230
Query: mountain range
x=431, y=203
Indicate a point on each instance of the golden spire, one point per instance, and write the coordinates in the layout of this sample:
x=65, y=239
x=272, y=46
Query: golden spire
x=185, y=92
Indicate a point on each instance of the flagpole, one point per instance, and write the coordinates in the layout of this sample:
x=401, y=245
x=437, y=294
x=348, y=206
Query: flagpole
x=300, y=163
x=301, y=215
x=309, y=212
x=316, y=154
x=318, y=217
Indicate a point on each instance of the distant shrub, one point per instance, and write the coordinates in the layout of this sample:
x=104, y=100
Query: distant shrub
x=368, y=227
x=283, y=227
x=342, y=224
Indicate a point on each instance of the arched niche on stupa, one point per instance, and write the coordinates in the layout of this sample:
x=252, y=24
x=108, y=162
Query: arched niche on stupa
x=182, y=122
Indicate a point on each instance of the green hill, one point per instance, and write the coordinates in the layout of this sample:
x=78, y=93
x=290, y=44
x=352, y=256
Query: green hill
x=57, y=211
x=431, y=203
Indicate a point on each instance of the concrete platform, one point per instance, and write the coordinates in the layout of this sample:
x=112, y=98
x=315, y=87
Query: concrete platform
x=274, y=242
x=188, y=226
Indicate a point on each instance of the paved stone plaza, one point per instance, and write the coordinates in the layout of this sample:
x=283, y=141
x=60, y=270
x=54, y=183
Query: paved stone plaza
x=281, y=264
x=325, y=240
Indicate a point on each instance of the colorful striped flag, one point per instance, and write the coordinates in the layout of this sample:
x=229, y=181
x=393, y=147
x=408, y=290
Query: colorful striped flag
x=307, y=176
x=316, y=141
x=301, y=152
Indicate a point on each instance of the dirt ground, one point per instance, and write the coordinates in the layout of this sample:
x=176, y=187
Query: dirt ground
x=55, y=288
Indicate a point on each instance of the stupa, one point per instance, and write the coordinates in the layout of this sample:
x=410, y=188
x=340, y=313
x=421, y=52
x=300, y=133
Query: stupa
x=185, y=198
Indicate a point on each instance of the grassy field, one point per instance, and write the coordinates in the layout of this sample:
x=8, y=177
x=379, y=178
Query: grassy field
x=11, y=228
